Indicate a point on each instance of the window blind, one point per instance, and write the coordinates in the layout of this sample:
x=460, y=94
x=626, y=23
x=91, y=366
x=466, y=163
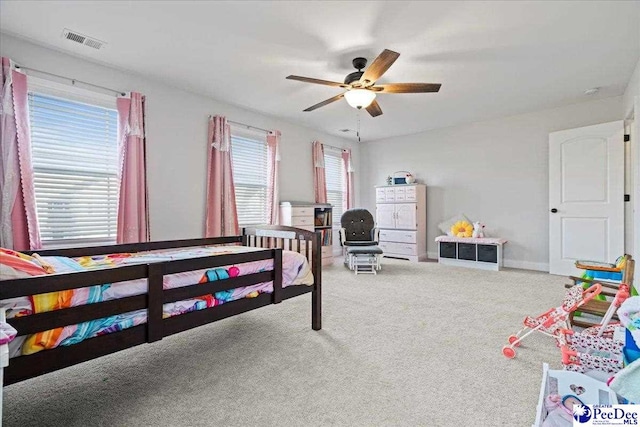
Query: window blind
x=249, y=158
x=335, y=187
x=75, y=163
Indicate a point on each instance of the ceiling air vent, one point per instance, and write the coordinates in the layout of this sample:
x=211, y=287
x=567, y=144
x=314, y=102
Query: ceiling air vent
x=74, y=36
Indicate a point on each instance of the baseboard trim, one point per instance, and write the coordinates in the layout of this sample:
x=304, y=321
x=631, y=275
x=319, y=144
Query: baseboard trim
x=526, y=265
x=510, y=263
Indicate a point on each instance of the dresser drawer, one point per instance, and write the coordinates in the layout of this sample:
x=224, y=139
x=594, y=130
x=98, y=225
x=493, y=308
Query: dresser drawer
x=390, y=194
x=400, y=194
x=398, y=236
x=391, y=248
x=380, y=197
x=300, y=221
x=302, y=211
x=327, y=251
x=410, y=194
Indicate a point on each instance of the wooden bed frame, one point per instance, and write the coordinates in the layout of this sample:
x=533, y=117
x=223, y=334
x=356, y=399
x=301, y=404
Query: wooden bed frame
x=273, y=238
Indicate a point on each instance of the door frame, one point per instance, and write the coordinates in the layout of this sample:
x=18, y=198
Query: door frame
x=634, y=114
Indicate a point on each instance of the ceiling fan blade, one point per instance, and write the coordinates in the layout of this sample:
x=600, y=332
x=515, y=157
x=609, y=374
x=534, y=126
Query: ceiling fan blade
x=325, y=102
x=317, y=81
x=374, y=109
x=379, y=66
x=407, y=87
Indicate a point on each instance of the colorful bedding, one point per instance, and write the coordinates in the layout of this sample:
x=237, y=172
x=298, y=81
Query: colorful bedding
x=296, y=271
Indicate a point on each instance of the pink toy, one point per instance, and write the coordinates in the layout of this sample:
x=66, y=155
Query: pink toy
x=560, y=410
x=478, y=230
x=596, y=348
x=554, y=322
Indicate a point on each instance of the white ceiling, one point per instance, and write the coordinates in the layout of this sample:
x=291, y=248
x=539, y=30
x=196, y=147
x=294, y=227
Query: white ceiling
x=492, y=58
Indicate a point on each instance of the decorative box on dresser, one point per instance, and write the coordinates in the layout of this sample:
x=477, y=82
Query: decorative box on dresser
x=313, y=217
x=401, y=217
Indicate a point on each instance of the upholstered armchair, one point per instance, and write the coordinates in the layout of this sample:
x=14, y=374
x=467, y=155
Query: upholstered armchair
x=358, y=228
x=359, y=240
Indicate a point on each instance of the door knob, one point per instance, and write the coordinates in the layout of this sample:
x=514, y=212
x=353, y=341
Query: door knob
x=554, y=210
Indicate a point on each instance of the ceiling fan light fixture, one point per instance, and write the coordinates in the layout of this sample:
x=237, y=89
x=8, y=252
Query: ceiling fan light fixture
x=360, y=98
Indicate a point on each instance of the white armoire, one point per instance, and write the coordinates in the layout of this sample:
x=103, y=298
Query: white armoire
x=401, y=216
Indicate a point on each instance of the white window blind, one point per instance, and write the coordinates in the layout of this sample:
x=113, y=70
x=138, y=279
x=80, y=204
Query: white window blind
x=249, y=158
x=75, y=162
x=333, y=167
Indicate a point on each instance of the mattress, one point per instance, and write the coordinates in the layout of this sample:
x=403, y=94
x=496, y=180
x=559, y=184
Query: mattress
x=295, y=271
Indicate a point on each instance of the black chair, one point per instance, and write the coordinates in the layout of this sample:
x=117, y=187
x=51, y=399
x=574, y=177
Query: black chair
x=359, y=240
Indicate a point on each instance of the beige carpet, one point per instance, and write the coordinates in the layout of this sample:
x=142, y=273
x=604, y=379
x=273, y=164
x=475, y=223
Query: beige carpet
x=419, y=344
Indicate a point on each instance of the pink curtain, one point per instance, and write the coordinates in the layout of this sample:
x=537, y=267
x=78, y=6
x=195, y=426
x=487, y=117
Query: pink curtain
x=133, y=211
x=319, y=179
x=347, y=180
x=18, y=218
x=273, y=159
x=221, y=214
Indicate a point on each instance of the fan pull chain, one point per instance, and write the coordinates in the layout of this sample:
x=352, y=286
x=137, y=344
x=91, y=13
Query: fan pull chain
x=358, y=128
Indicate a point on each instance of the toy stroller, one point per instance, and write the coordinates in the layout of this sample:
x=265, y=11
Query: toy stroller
x=597, y=347
x=554, y=321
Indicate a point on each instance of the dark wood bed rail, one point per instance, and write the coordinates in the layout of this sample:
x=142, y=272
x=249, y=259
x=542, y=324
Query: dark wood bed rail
x=272, y=238
x=301, y=238
x=137, y=247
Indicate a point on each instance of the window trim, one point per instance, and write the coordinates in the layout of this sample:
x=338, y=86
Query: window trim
x=84, y=96
x=260, y=138
x=337, y=154
x=72, y=93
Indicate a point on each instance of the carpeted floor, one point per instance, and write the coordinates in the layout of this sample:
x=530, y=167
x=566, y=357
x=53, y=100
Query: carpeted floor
x=419, y=344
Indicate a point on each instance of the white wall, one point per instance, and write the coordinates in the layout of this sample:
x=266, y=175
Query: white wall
x=177, y=134
x=632, y=93
x=494, y=171
x=631, y=101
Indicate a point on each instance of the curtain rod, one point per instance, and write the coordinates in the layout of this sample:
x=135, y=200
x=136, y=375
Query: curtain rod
x=332, y=146
x=73, y=81
x=248, y=126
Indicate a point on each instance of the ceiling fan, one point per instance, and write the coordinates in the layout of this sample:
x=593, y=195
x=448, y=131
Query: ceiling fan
x=361, y=85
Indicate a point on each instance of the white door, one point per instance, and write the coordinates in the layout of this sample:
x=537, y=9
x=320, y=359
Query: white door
x=406, y=216
x=586, y=196
x=385, y=216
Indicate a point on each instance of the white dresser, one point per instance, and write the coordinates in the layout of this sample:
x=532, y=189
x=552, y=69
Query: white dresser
x=309, y=216
x=401, y=216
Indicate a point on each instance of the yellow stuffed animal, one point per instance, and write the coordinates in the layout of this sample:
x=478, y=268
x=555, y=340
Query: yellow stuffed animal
x=462, y=229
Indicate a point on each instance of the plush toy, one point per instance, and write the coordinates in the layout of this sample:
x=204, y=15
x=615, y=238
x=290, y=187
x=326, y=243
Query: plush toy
x=478, y=230
x=461, y=229
x=560, y=410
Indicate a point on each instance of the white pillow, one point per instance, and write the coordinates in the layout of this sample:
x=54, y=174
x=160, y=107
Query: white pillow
x=445, y=226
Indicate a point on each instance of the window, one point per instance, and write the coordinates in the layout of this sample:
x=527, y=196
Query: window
x=333, y=170
x=249, y=158
x=75, y=162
